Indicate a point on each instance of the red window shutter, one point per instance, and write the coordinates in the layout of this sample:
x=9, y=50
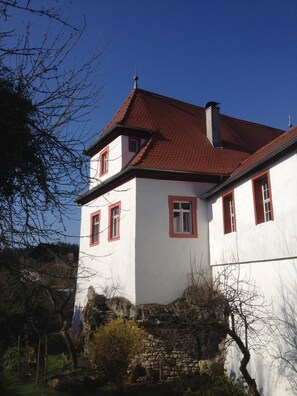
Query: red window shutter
x=258, y=202
x=227, y=217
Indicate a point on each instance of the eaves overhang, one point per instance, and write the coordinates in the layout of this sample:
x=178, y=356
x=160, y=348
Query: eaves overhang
x=145, y=173
x=113, y=132
x=253, y=168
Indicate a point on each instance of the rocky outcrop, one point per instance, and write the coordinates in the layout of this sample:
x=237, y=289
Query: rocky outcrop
x=175, y=347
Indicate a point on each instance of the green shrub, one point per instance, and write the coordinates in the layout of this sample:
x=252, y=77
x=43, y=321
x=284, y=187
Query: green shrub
x=114, y=346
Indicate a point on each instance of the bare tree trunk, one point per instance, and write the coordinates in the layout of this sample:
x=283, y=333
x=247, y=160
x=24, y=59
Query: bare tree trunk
x=69, y=344
x=244, y=362
x=246, y=355
x=65, y=331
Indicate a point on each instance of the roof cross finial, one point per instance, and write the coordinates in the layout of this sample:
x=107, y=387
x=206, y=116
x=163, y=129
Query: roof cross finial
x=135, y=78
x=290, y=122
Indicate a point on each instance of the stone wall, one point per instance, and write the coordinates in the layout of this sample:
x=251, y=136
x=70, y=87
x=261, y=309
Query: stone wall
x=174, y=348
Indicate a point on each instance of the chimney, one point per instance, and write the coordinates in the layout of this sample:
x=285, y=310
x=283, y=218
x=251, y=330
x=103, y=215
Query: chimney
x=213, y=123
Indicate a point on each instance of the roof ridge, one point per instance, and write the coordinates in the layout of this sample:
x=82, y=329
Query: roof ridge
x=129, y=104
x=203, y=108
x=126, y=103
x=169, y=98
x=251, y=122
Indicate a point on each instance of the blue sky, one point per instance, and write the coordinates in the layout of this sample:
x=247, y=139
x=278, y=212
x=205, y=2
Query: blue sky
x=242, y=54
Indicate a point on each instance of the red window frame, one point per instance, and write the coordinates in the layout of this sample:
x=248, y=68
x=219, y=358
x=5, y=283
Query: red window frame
x=103, y=164
x=93, y=216
x=263, y=207
x=193, y=210
x=111, y=223
x=229, y=215
x=132, y=138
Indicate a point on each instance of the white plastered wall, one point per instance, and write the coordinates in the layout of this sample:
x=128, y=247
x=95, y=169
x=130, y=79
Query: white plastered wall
x=273, y=239
x=164, y=263
x=114, y=162
x=110, y=266
x=258, y=247
x=118, y=158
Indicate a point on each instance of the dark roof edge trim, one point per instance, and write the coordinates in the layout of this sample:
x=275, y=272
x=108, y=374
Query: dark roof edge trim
x=252, y=167
x=132, y=172
x=91, y=150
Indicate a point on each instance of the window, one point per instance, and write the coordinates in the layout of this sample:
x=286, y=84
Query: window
x=229, y=213
x=262, y=198
x=95, y=228
x=114, y=222
x=104, y=161
x=134, y=144
x=182, y=217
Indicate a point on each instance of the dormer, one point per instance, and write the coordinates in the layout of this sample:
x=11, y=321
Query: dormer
x=113, y=151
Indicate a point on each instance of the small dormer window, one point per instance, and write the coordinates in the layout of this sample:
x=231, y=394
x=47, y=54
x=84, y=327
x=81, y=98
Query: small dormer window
x=104, y=161
x=134, y=144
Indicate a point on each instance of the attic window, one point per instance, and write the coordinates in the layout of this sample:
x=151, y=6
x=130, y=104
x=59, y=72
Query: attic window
x=134, y=144
x=103, y=161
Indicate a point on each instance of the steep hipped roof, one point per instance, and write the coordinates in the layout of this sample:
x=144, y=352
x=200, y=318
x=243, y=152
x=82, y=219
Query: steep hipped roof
x=180, y=142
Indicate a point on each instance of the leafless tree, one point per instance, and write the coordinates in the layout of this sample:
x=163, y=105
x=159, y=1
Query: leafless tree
x=46, y=95
x=47, y=91
x=232, y=304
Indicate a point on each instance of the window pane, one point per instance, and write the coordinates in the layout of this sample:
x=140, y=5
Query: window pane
x=176, y=205
x=176, y=222
x=133, y=145
x=104, y=163
x=186, y=205
x=95, y=229
x=114, y=222
x=187, y=227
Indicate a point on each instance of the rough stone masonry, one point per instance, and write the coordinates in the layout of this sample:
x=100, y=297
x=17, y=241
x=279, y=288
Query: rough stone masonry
x=174, y=348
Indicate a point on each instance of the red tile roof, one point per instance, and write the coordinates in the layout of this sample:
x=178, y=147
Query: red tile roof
x=266, y=152
x=181, y=143
x=286, y=142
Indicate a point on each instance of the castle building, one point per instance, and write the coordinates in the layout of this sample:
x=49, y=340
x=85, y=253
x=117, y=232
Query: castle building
x=174, y=185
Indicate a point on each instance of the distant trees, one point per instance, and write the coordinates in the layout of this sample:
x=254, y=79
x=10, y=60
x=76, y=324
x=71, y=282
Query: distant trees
x=42, y=290
x=233, y=305
x=114, y=346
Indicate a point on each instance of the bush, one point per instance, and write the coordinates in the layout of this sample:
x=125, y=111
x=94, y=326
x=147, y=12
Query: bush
x=114, y=346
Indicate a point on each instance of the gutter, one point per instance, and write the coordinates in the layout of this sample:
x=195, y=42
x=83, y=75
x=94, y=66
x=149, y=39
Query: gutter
x=110, y=130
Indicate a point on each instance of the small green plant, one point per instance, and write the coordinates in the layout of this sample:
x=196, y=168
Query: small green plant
x=114, y=346
x=10, y=361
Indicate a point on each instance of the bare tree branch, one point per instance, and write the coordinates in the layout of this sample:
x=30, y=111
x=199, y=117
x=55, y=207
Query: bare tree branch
x=56, y=94
x=234, y=306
